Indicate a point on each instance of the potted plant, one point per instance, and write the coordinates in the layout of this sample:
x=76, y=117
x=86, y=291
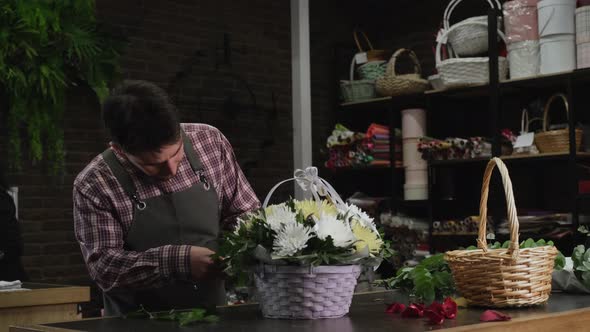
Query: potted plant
x=305, y=255
x=47, y=47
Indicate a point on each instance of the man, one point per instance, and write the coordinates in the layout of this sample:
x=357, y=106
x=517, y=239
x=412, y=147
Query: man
x=148, y=210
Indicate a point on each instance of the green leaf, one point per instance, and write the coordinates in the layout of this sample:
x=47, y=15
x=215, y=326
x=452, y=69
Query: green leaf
x=529, y=243
x=471, y=248
x=496, y=245
x=577, y=255
x=559, y=261
x=424, y=285
x=506, y=244
x=541, y=243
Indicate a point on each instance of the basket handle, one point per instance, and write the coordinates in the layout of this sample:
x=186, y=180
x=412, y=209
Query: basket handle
x=443, y=38
x=391, y=65
x=482, y=243
x=309, y=180
x=547, y=106
x=524, y=122
x=454, y=3
x=358, y=43
x=351, y=73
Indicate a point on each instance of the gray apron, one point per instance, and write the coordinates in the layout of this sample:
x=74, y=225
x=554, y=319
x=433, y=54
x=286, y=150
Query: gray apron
x=187, y=217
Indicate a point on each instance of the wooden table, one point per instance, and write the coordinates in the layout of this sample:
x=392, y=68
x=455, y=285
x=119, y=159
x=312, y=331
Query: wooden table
x=571, y=312
x=41, y=304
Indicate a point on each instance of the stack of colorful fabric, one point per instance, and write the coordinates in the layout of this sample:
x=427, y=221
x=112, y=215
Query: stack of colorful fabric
x=379, y=145
x=347, y=149
x=454, y=148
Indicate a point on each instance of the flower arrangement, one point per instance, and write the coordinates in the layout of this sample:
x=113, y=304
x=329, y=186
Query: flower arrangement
x=304, y=232
x=320, y=231
x=299, y=248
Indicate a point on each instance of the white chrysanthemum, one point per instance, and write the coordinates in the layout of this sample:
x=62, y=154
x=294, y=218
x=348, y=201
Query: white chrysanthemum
x=291, y=239
x=361, y=216
x=278, y=215
x=245, y=220
x=240, y=223
x=340, y=231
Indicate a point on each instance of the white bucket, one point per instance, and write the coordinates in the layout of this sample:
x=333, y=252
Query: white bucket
x=413, y=123
x=523, y=58
x=558, y=53
x=412, y=157
x=416, y=176
x=583, y=55
x=415, y=192
x=556, y=17
x=583, y=25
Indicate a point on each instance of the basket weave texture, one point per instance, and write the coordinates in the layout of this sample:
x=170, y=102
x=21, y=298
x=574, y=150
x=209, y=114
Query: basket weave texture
x=355, y=90
x=467, y=71
x=392, y=84
x=499, y=278
x=468, y=39
x=294, y=292
x=550, y=141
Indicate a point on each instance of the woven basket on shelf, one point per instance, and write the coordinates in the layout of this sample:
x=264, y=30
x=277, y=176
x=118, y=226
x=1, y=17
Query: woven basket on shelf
x=392, y=84
x=466, y=71
x=295, y=292
x=352, y=90
x=468, y=39
x=372, y=54
x=509, y=277
x=371, y=70
x=551, y=141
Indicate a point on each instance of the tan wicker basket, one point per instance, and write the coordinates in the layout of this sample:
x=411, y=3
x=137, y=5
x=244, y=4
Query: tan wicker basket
x=552, y=141
x=509, y=277
x=372, y=54
x=392, y=84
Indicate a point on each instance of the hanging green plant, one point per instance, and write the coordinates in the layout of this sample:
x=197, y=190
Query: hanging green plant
x=47, y=46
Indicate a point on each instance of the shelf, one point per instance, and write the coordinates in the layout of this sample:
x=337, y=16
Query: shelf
x=384, y=101
x=513, y=158
x=412, y=203
x=453, y=234
x=398, y=102
x=361, y=169
x=516, y=85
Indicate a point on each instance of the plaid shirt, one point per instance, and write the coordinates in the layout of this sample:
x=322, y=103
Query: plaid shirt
x=103, y=212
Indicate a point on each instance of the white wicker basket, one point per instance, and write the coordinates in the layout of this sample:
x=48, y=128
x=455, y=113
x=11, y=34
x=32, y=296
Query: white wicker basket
x=467, y=71
x=468, y=39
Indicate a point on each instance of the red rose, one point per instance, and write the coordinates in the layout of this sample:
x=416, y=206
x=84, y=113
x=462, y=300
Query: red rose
x=395, y=308
x=449, y=308
x=413, y=311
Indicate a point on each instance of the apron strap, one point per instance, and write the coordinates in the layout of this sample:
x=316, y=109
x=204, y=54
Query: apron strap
x=193, y=159
x=123, y=177
x=191, y=154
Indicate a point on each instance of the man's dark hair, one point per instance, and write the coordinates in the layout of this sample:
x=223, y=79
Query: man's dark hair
x=139, y=116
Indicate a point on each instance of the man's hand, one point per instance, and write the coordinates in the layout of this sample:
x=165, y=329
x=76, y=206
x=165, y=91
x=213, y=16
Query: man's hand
x=202, y=265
